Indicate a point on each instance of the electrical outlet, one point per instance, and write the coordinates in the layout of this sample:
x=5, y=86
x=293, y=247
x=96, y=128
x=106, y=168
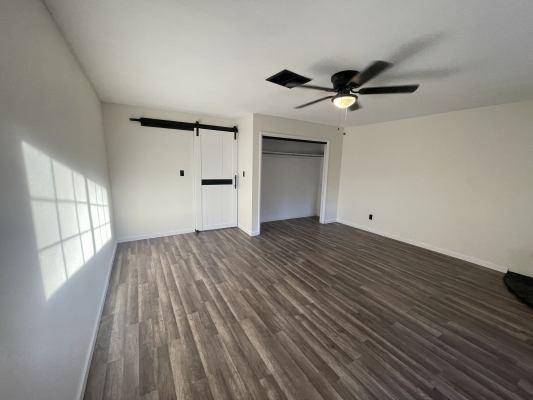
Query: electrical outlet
x=370, y=216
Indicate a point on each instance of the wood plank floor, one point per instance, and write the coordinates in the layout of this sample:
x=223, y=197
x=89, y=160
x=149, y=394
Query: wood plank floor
x=306, y=311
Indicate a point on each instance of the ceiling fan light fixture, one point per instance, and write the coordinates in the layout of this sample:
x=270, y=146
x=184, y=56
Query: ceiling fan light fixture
x=344, y=100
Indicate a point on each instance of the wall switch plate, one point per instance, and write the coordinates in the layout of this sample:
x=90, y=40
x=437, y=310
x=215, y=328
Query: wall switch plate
x=370, y=216
x=182, y=172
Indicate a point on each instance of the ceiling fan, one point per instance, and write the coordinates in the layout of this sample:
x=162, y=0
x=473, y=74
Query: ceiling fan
x=346, y=85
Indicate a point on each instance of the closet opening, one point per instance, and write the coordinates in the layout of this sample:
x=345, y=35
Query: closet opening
x=293, y=177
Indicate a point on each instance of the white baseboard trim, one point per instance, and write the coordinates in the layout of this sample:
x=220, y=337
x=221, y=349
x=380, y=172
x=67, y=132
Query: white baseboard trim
x=97, y=326
x=216, y=226
x=285, y=218
x=248, y=231
x=242, y=228
x=154, y=235
x=427, y=246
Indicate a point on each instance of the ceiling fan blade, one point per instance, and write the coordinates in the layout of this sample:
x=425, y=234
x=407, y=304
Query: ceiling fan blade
x=388, y=89
x=325, y=89
x=370, y=72
x=355, y=106
x=314, y=101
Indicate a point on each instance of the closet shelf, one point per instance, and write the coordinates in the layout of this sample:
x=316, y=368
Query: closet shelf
x=281, y=153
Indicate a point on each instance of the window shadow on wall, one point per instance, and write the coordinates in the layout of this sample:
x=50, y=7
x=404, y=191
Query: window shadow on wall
x=70, y=217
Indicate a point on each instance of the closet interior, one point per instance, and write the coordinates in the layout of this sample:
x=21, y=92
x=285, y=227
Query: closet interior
x=291, y=178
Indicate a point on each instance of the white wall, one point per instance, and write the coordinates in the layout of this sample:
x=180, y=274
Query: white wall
x=150, y=197
x=51, y=288
x=271, y=124
x=460, y=183
x=290, y=187
x=245, y=164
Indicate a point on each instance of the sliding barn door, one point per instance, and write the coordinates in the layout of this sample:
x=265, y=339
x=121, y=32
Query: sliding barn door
x=217, y=152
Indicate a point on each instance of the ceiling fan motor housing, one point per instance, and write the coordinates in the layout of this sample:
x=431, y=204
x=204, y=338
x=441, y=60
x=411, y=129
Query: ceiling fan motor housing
x=340, y=79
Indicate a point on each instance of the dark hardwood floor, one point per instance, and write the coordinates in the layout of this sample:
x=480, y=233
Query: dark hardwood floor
x=306, y=311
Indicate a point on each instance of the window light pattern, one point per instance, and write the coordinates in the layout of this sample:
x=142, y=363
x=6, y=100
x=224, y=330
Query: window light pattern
x=70, y=217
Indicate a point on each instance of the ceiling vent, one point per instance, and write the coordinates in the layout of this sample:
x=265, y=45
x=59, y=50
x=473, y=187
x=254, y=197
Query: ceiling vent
x=288, y=79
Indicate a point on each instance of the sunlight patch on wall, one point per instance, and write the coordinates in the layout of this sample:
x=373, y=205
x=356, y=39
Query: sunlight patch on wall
x=70, y=216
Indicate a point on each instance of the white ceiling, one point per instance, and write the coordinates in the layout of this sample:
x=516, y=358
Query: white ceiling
x=212, y=56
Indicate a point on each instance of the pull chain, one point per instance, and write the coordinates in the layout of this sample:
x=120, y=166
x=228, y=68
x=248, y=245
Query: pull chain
x=343, y=122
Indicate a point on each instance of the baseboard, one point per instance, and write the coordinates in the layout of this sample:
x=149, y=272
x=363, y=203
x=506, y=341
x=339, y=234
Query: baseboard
x=154, y=235
x=97, y=326
x=248, y=232
x=217, y=226
x=285, y=218
x=451, y=253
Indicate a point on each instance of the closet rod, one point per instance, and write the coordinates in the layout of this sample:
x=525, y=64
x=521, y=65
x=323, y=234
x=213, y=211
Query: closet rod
x=280, y=153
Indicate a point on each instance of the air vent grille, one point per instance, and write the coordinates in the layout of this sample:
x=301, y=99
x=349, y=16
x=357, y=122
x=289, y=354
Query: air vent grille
x=288, y=79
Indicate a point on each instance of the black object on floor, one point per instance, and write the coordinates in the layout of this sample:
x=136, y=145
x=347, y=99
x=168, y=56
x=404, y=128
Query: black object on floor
x=521, y=286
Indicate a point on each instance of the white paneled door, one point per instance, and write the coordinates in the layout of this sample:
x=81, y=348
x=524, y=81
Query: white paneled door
x=217, y=187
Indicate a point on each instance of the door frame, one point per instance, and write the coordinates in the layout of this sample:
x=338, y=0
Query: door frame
x=197, y=178
x=325, y=165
